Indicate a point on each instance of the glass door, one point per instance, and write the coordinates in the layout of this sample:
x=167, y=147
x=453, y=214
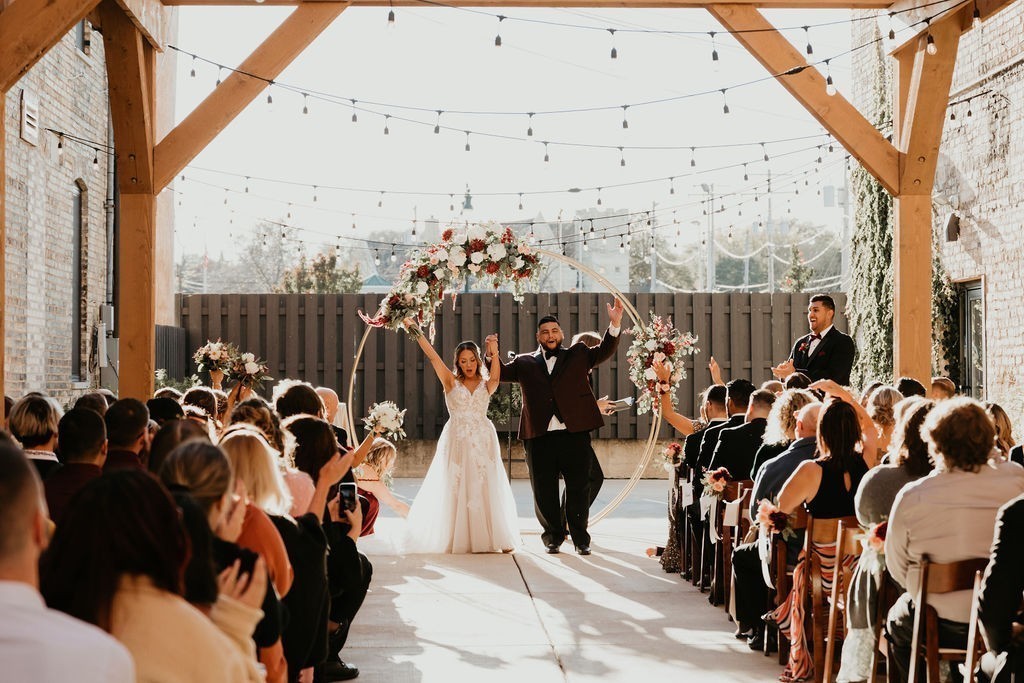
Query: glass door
x=972, y=307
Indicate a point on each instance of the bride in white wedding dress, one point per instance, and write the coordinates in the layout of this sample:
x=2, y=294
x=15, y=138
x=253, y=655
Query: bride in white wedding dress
x=465, y=504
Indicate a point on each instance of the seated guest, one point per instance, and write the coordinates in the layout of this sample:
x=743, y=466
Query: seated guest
x=999, y=607
x=881, y=408
x=202, y=398
x=774, y=386
x=949, y=516
x=737, y=446
x=1005, y=442
x=127, y=435
x=908, y=386
x=82, y=439
x=942, y=388
x=169, y=437
x=825, y=487
x=292, y=397
x=878, y=489
x=737, y=397
x=868, y=390
x=168, y=392
x=163, y=410
x=117, y=562
x=256, y=412
x=332, y=406
x=39, y=644
x=825, y=353
x=33, y=423
x=750, y=590
x=93, y=400
x=796, y=380
x=781, y=427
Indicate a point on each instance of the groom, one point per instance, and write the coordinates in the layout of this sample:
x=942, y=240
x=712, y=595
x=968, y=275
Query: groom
x=559, y=412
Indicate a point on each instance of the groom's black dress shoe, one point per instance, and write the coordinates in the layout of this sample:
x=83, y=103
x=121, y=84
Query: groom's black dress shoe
x=583, y=549
x=551, y=549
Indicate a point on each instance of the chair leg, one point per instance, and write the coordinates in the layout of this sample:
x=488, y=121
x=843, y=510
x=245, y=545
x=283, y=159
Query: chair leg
x=726, y=565
x=931, y=638
x=833, y=614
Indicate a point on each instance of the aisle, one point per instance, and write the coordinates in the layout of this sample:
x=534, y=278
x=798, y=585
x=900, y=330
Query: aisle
x=537, y=618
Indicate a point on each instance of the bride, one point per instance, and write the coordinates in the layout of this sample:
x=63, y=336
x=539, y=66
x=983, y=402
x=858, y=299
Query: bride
x=465, y=504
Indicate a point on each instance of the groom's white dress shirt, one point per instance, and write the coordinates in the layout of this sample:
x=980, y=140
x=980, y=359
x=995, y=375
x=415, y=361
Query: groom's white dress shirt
x=556, y=424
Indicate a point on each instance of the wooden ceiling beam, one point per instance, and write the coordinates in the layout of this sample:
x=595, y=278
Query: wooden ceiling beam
x=130, y=61
x=591, y=4
x=237, y=90
x=29, y=28
x=849, y=127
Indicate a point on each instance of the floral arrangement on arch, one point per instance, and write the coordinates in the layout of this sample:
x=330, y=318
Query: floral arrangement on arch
x=670, y=456
x=486, y=251
x=714, y=481
x=659, y=341
x=773, y=520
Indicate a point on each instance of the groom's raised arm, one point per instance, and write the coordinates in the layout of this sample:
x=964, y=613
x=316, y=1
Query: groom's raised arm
x=509, y=371
x=610, y=341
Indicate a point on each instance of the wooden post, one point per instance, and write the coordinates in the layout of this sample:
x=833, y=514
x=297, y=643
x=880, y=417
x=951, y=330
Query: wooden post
x=136, y=305
x=3, y=244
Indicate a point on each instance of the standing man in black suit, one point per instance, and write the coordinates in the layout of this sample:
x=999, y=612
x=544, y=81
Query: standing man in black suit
x=825, y=353
x=999, y=604
x=737, y=446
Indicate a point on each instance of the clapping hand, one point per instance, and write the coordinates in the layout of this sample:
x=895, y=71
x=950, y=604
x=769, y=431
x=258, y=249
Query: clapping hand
x=615, y=313
x=832, y=388
x=784, y=369
x=716, y=371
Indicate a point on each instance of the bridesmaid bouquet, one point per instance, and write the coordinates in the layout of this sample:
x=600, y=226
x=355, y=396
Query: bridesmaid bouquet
x=488, y=251
x=714, y=482
x=388, y=418
x=670, y=456
x=659, y=341
x=774, y=520
x=248, y=371
x=215, y=356
x=875, y=539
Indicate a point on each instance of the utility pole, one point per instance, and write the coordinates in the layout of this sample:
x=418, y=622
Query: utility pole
x=710, y=269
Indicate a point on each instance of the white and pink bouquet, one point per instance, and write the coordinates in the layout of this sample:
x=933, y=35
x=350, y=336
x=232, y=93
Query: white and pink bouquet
x=248, y=370
x=875, y=537
x=487, y=252
x=659, y=341
x=670, y=456
x=386, y=418
x=714, y=481
x=215, y=356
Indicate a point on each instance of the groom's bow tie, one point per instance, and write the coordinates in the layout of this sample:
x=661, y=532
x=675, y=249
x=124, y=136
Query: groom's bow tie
x=815, y=337
x=552, y=353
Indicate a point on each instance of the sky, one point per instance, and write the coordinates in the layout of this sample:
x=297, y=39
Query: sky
x=440, y=58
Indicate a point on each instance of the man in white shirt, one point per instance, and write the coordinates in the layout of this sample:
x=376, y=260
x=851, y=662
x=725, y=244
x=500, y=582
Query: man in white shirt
x=949, y=516
x=36, y=643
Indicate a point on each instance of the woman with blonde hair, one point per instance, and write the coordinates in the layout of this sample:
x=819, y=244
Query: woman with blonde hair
x=375, y=476
x=881, y=408
x=1004, y=429
x=33, y=422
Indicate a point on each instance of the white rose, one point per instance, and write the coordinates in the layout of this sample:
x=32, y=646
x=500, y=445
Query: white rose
x=651, y=344
x=252, y=368
x=459, y=238
x=421, y=287
x=457, y=257
x=497, y=251
x=524, y=248
x=440, y=274
x=248, y=358
x=676, y=378
x=441, y=254
x=477, y=232
x=408, y=298
x=649, y=373
x=473, y=268
x=433, y=260
x=477, y=257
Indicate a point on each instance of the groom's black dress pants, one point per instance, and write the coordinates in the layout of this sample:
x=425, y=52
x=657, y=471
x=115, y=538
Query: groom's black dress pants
x=567, y=454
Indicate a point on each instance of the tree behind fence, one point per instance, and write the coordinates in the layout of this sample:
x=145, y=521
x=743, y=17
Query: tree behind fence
x=314, y=337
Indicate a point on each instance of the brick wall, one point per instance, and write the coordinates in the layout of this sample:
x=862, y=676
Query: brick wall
x=72, y=88
x=981, y=174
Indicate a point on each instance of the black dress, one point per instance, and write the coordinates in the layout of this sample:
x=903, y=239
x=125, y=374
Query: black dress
x=305, y=635
x=833, y=499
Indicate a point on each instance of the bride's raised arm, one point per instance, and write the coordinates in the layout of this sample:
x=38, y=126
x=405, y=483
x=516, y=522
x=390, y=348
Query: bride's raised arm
x=494, y=371
x=443, y=372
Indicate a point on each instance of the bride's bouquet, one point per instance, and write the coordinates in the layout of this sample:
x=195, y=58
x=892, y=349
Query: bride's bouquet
x=248, y=371
x=388, y=418
x=215, y=356
x=661, y=342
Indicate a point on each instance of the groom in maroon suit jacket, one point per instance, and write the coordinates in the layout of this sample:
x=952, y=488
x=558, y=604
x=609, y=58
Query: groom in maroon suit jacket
x=559, y=412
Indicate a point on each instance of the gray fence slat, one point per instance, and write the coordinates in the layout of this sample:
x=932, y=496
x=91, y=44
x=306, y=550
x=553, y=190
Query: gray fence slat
x=330, y=341
x=311, y=352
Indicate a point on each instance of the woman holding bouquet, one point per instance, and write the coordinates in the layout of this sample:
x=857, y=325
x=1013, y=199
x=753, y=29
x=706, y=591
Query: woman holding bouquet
x=465, y=504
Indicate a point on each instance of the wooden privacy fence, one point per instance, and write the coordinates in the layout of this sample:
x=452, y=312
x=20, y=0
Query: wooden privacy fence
x=314, y=337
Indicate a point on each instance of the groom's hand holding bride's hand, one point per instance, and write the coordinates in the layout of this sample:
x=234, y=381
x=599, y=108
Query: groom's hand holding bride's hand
x=615, y=313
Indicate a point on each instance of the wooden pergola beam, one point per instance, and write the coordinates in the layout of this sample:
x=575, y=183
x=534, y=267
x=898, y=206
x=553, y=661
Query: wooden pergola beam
x=591, y=4
x=29, y=28
x=849, y=127
x=131, y=69
x=235, y=93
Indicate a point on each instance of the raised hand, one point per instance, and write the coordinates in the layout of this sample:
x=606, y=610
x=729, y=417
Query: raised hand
x=784, y=369
x=336, y=468
x=716, y=371
x=663, y=372
x=615, y=313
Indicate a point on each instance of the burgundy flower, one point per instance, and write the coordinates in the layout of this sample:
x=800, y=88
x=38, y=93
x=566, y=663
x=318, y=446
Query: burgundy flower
x=477, y=245
x=492, y=268
x=780, y=520
x=423, y=271
x=393, y=301
x=668, y=349
x=447, y=235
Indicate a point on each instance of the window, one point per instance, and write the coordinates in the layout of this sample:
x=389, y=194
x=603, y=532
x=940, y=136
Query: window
x=77, y=288
x=972, y=320
x=83, y=36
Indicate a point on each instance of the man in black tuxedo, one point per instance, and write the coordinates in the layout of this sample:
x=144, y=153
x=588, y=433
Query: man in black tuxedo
x=999, y=604
x=559, y=412
x=737, y=446
x=825, y=353
x=737, y=394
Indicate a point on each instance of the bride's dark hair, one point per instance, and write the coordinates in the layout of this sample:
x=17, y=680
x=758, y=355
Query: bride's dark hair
x=468, y=346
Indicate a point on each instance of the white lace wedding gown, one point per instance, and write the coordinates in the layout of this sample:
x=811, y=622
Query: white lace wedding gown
x=465, y=504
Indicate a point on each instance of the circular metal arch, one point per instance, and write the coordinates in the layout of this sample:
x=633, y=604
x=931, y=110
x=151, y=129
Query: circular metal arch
x=634, y=315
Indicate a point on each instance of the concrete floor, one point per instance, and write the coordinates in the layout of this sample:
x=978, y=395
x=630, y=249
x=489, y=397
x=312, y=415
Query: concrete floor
x=537, y=618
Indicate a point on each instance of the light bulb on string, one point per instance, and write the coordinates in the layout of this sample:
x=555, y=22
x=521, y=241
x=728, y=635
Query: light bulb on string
x=451, y=202
x=714, y=47
x=930, y=46
x=314, y=194
x=807, y=35
x=376, y=257
x=247, y=184
x=520, y=201
x=975, y=16
x=969, y=113
x=615, y=53
x=467, y=140
x=529, y=129
x=220, y=73
x=394, y=257
x=225, y=196
x=355, y=117
x=305, y=103
x=270, y=96
x=599, y=196
x=353, y=221
x=289, y=215
x=60, y=146
x=497, y=38
x=391, y=17
x=437, y=124
x=387, y=117
x=625, y=123
x=380, y=202
x=725, y=102
x=830, y=86
x=95, y=158
x=622, y=157
x=192, y=73
x=622, y=245
x=764, y=151
x=671, y=185
x=892, y=28
x=745, y=175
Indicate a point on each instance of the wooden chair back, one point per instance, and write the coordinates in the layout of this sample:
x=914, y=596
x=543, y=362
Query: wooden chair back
x=937, y=578
x=847, y=545
x=782, y=576
x=888, y=594
x=723, y=549
x=820, y=532
x=975, y=648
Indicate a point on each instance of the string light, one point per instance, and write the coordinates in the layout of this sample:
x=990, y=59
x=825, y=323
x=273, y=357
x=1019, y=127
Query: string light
x=95, y=158
x=830, y=86
x=354, y=222
x=393, y=256
x=976, y=16
x=451, y=204
x=745, y=176
x=725, y=102
x=193, y=72
x=387, y=117
x=807, y=35
x=391, y=17
x=892, y=28
x=931, y=48
x=622, y=157
x=270, y=97
x=305, y=103
x=714, y=47
x=289, y=210
x=246, y=184
x=625, y=123
x=615, y=53
x=671, y=185
x=314, y=194
x=497, y=38
x=467, y=140
x=376, y=255
x=220, y=72
x=437, y=124
x=380, y=202
x=599, y=196
x=529, y=130
x=355, y=118
x=546, y=156
x=520, y=201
